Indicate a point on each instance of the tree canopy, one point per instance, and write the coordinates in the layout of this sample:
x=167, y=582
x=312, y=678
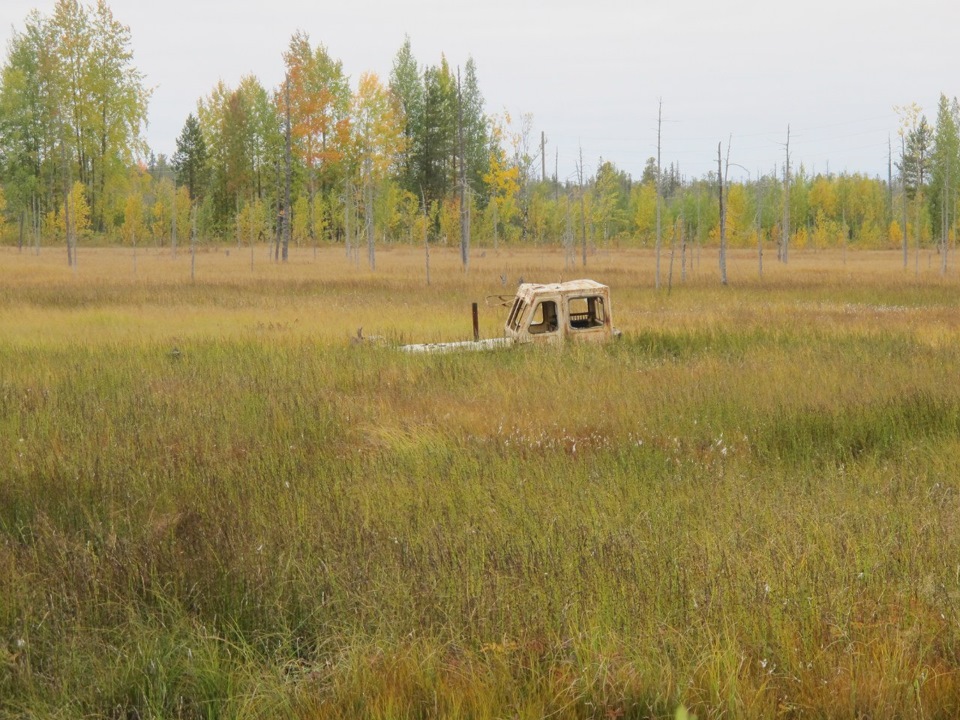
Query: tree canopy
x=73, y=108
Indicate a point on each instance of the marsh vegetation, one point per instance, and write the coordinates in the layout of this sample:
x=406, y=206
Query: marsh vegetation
x=212, y=504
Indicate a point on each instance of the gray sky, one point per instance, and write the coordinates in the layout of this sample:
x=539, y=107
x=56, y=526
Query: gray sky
x=591, y=72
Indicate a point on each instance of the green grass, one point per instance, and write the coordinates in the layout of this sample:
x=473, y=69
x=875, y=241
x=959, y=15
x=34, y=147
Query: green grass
x=747, y=507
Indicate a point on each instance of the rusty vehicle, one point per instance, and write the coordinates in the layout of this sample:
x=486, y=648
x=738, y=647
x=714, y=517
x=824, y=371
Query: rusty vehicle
x=551, y=314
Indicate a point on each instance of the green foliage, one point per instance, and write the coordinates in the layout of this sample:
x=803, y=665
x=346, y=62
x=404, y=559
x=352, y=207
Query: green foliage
x=407, y=87
x=945, y=165
x=71, y=102
x=241, y=141
x=190, y=160
x=233, y=149
x=914, y=162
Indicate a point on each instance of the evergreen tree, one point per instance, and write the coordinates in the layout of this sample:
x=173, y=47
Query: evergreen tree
x=190, y=159
x=475, y=124
x=915, y=163
x=945, y=163
x=407, y=87
x=437, y=148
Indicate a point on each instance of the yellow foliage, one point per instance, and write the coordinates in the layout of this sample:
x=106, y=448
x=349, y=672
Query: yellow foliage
x=823, y=197
x=79, y=214
x=739, y=219
x=160, y=215
x=895, y=233
x=252, y=220
x=827, y=232
x=300, y=225
x=800, y=238
x=377, y=126
x=450, y=221
x=502, y=179
x=133, y=218
x=645, y=210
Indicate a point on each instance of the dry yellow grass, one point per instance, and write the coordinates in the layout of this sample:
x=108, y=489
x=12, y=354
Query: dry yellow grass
x=747, y=506
x=324, y=295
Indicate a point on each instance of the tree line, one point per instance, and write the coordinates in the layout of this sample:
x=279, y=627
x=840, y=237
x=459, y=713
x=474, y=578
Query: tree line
x=410, y=158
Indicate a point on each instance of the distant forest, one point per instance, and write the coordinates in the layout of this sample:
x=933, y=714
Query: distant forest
x=412, y=158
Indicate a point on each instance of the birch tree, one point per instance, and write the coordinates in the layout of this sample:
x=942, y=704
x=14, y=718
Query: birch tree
x=378, y=139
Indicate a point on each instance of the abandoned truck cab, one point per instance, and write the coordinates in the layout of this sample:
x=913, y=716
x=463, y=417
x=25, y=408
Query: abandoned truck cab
x=577, y=311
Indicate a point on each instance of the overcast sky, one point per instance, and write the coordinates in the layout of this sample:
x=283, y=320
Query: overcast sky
x=591, y=73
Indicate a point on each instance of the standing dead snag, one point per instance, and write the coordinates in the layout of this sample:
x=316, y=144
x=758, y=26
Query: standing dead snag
x=288, y=159
x=785, y=234
x=583, y=210
x=659, y=230
x=759, y=227
x=723, y=217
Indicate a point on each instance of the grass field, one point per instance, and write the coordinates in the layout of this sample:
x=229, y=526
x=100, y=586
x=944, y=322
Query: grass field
x=214, y=505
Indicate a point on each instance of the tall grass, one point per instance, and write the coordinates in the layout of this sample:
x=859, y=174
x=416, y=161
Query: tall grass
x=213, y=505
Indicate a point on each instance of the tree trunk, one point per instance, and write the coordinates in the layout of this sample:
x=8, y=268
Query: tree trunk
x=193, y=243
x=347, y=198
x=683, y=250
x=945, y=233
x=36, y=225
x=785, y=240
x=173, y=233
x=759, y=231
x=659, y=231
x=903, y=189
x=67, y=225
x=723, y=219
x=287, y=210
x=583, y=212
x=368, y=219
x=426, y=242
x=673, y=246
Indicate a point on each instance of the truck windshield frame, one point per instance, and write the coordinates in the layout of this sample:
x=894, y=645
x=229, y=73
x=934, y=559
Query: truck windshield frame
x=545, y=318
x=516, y=314
x=586, y=312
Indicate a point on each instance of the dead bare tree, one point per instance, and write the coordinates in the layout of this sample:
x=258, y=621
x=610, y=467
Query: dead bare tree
x=683, y=250
x=569, y=254
x=67, y=224
x=173, y=229
x=426, y=237
x=759, y=227
x=945, y=220
x=583, y=210
x=785, y=238
x=543, y=156
x=721, y=177
x=659, y=231
x=368, y=213
x=673, y=246
x=347, y=197
x=193, y=243
x=288, y=158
